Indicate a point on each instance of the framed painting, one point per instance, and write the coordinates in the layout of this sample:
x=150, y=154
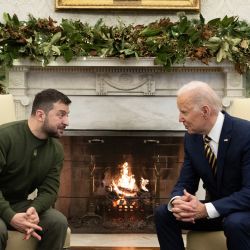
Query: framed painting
x=130, y=4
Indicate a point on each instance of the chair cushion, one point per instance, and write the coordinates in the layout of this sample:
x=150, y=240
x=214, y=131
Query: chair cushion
x=16, y=241
x=206, y=240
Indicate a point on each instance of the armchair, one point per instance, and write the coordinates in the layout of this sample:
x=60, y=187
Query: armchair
x=216, y=240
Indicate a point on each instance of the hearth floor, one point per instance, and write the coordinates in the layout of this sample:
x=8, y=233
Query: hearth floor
x=115, y=240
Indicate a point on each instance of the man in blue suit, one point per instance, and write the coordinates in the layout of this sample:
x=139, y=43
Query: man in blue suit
x=227, y=206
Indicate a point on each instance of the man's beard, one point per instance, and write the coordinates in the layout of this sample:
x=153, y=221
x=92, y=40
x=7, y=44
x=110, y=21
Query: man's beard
x=52, y=132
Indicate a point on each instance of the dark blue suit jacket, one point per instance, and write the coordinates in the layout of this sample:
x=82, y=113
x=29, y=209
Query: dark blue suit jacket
x=230, y=189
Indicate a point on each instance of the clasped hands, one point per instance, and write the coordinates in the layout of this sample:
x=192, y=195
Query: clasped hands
x=27, y=223
x=188, y=208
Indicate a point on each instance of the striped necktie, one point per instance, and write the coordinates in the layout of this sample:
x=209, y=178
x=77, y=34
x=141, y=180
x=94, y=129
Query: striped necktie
x=210, y=154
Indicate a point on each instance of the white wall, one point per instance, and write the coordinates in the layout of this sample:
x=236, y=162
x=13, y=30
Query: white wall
x=44, y=8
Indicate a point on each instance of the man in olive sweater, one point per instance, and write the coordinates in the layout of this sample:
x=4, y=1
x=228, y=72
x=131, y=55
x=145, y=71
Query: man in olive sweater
x=31, y=158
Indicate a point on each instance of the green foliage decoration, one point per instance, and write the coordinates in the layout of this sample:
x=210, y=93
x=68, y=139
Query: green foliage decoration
x=44, y=40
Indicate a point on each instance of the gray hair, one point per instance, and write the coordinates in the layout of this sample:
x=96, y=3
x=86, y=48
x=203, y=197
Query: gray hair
x=202, y=94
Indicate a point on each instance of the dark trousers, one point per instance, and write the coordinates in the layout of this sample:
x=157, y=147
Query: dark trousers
x=236, y=227
x=54, y=226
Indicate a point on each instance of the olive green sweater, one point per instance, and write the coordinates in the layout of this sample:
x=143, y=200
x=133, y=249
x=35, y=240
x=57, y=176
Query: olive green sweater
x=27, y=163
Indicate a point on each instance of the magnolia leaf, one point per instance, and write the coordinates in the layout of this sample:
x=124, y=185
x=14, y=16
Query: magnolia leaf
x=202, y=19
x=183, y=25
x=104, y=52
x=15, y=19
x=56, y=38
x=75, y=38
x=234, y=49
x=67, y=26
x=227, y=21
x=214, y=22
x=56, y=50
x=235, y=41
x=6, y=17
x=47, y=48
x=212, y=46
x=220, y=55
x=225, y=46
x=150, y=31
x=214, y=39
x=245, y=29
x=67, y=54
x=214, y=43
x=127, y=52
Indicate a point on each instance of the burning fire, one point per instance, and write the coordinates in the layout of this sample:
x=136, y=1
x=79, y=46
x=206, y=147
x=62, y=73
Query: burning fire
x=125, y=186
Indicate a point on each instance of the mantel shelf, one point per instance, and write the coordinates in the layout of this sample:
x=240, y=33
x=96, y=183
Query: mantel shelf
x=145, y=62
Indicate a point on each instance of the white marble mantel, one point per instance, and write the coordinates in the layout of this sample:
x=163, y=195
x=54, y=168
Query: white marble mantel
x=115, y=94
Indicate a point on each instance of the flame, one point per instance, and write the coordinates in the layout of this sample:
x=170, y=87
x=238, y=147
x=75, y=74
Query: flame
x=144, y=183
x=127, y=181
x=126, y=186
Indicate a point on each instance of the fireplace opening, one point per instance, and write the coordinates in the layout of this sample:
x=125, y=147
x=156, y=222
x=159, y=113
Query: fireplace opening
x=111, y=183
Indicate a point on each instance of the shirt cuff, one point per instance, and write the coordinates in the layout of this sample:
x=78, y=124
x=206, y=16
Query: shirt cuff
x=211, y=211
x=170, y=203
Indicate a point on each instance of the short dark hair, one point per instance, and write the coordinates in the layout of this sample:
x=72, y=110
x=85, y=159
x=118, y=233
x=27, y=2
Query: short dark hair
x=45, y=99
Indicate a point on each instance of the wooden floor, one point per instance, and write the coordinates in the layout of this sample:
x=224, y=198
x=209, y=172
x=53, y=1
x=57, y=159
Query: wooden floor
x=114, y=248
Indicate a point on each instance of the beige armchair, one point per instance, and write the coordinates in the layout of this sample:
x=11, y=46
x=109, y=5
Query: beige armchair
x=240, y=108
x=216, y=240
x=206, y=240
x=15, y=240
x=7, y=111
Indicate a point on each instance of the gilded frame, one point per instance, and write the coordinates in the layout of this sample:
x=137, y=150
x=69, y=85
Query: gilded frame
x=193, y=5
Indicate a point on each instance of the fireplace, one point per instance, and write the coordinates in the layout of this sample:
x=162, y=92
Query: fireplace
x=123, y=114
x=112, y=183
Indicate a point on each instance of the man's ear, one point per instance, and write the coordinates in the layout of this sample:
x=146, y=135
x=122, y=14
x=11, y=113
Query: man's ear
x=205, y=111
x=40, y=115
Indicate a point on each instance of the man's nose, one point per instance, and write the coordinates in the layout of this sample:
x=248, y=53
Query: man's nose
x=66, y=120
x=180, y=118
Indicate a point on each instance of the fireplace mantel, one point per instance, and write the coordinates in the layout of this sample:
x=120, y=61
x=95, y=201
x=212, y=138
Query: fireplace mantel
x=116, y=94
x=86, y=62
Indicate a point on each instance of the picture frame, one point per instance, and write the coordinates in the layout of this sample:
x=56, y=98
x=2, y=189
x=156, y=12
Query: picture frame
x=192, y=5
